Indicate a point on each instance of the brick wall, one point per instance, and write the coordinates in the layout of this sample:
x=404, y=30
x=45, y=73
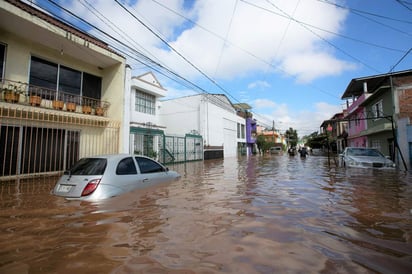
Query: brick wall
x=405, y=103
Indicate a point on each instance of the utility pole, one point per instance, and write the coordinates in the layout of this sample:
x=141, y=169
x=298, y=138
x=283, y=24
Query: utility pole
x=273, y=132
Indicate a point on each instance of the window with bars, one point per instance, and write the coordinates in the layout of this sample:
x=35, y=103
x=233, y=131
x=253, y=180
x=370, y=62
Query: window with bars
x=145, y=103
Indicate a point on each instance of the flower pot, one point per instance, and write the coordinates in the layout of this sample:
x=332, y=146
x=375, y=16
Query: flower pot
x=99, y=111
x=35, y=100
x=71, y=107
x=87, y=109
x=57, y=104
x=11, y=97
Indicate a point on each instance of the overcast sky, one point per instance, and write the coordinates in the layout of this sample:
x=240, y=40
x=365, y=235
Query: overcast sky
x=291, y=60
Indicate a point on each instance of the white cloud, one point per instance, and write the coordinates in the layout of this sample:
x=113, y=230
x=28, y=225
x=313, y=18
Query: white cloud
x=259, y=84
x=304, y=121
x=172, y=93
x=256, y=38
x=259, y=104
x=321, y=65
x=230, y=38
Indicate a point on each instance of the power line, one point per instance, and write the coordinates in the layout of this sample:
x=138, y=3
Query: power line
x=177, y=52
x=146, y=60
x=400, y=60
x=311, y=31
x=404, y=4
x=244, y=50
x=357, y=11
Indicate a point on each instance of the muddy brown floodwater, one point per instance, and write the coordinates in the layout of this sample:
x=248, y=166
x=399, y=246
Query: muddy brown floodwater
x=260, y=214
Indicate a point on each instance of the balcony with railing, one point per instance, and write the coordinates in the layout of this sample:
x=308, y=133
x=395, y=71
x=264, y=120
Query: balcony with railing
x=356, y=103
x=40, y=97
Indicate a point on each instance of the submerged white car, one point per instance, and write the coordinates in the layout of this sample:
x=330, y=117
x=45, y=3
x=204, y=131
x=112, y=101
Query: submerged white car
x=365, y=157
x=102, y=177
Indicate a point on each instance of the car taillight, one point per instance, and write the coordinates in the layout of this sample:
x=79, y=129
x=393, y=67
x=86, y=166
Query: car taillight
x=90, y=187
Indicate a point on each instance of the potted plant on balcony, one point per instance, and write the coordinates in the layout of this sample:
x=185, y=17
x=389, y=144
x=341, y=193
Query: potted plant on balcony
x=12, y=93
x=100, y=108
x=87, y=105
x=86, y=109
x=71, y=104
x=58, y=103
x=34, y=99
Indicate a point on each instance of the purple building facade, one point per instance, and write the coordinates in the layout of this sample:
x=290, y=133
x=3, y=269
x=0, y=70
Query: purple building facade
x=250, y=135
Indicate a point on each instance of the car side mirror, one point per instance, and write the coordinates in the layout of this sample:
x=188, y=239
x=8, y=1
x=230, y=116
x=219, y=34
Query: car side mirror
x=166, y=169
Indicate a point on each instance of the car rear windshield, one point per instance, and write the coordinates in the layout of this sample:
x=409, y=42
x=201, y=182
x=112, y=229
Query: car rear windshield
x=89, y=166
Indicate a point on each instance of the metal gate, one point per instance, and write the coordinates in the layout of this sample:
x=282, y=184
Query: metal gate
x=175, y=149
x=165, y=148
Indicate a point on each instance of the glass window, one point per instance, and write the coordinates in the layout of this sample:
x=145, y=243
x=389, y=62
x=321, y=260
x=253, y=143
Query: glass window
x=2, y=60
x=47, y=74
x=243, y=131
x=148, y=166
x=145, y=103
x=89, y=166
x=92, y=86
x=43, y=73
x=126, y=167
x=69, y=80
x=377, y=110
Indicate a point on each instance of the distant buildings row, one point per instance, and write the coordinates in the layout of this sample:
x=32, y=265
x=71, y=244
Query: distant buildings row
x=378, y=114
x=66, y=95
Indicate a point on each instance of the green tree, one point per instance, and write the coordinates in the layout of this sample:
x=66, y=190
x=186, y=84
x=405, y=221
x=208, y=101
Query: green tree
x=291, y=136
x=262, y=144
x=316, y=140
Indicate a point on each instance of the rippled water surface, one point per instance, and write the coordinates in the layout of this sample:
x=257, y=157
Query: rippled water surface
x=260, y=214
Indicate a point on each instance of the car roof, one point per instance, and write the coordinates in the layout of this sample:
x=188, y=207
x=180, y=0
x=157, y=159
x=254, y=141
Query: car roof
x=116, y=156
x=360, y=148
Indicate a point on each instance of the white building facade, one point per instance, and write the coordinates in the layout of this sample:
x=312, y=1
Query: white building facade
x=210, y=115
x=143, y=119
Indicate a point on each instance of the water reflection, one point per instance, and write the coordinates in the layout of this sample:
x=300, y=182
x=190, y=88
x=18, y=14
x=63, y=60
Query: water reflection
x=265, y=214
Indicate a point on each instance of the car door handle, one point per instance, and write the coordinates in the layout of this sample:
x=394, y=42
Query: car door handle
x=145, y=180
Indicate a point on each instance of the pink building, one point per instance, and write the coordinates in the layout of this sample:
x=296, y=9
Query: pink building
x=355, y=94
x=357, y=124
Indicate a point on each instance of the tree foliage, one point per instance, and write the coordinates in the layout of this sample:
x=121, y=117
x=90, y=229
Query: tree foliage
x=262, y=144
x=291, y=136
x=316, y=140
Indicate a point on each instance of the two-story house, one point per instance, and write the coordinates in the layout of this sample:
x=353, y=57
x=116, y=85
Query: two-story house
x=147, y=131
x=61, y=93
x=381, y=109
x=145, y=127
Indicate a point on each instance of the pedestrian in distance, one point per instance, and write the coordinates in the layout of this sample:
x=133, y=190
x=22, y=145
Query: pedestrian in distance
x=303, y=152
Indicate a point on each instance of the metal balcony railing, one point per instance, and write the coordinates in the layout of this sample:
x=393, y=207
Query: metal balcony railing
x=23, y=93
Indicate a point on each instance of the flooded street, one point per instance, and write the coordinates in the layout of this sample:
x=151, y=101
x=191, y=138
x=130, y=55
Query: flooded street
x=259, y=214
